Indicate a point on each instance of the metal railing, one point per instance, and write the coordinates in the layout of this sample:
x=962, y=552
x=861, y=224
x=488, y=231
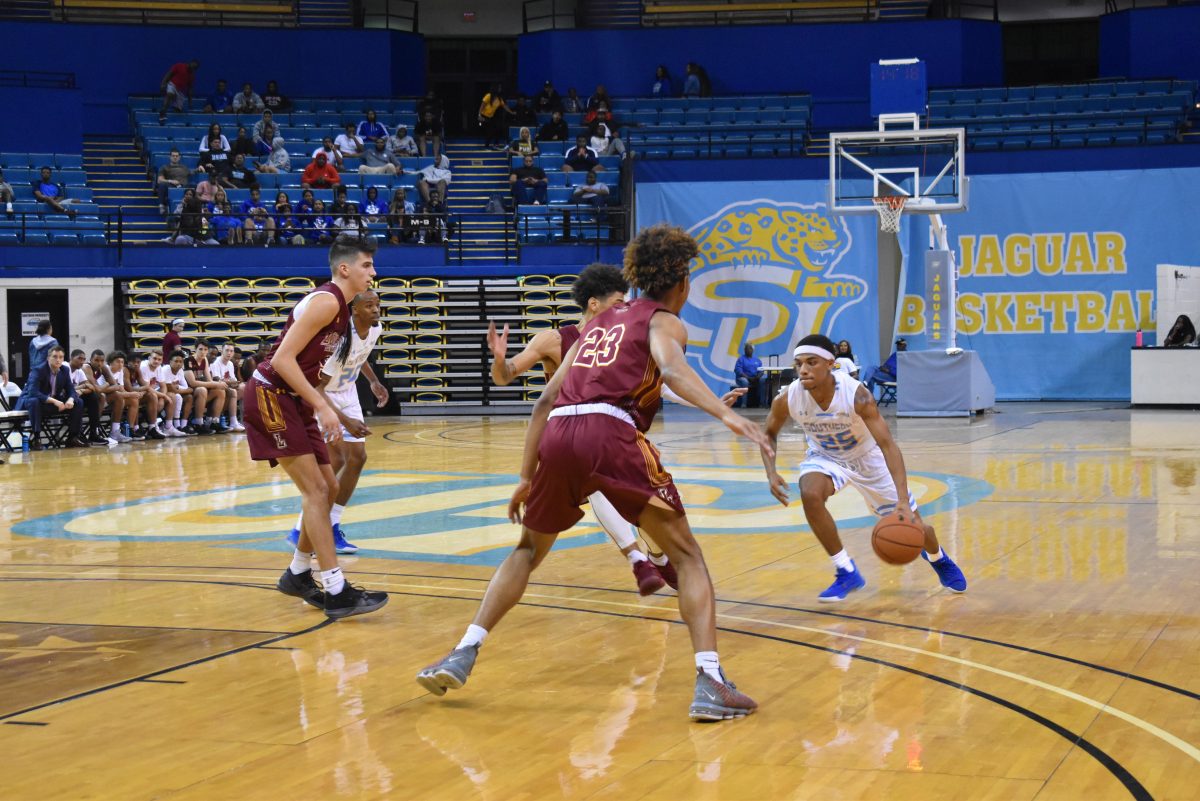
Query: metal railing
x=710, y=144
x=256, y=13
x=37, y=80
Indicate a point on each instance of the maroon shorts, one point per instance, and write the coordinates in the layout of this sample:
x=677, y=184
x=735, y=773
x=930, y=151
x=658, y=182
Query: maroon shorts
x=280, y=424
x=594, y=453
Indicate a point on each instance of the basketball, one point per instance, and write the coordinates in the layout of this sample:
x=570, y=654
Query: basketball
x=897, y=540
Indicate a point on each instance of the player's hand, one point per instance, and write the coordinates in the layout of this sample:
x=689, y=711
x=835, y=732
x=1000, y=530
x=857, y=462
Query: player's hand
x=519, y=496
x=381, y=394
x=331, y=426
x=744, y=428
x=779, y=488
x=730, y=397
x=357, y=428
x=497, y=343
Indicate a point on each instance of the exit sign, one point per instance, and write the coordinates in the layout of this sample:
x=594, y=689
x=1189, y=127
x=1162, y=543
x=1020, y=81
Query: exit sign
x=468, y=16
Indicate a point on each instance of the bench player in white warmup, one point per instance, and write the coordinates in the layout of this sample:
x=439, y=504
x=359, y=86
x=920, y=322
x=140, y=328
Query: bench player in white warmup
x=338, y=379
x=848, y=443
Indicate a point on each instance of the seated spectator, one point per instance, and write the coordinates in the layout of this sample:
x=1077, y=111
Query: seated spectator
x=226, y=224
x=224, y=370
x=378, y=160
x=173, y=339
x=845, y=359
x=6, y=196
x=221, y=100
x=437, y=225
x=572, y=104
x=524, y=114
x=287, y=226
x=207, y=189
x=258, y=228
x=319, y=174
x=212, y=138
x=247, y=101
x=172, y=174
x=844, y=350
x=252, y=203
x=429, y=131
x=400, y=211
x=435, y=176
x=373, y=208
x=592, y=193
x=523, y=145
x=243, y=145
x=318, y=226
x=54, y=393
x=747, y=373
x=492, y=119
x=1182, y=334
x=696, y=84
x=581, y=158
x=371, y=128
x=547, y=100
x=267, y=119
x=344, y=213
x=348, y=144
x=886, y=372
x=216, y=393
x=555, y=130
x=401, y=144
x=177, y=85
x=241, y=175
x=662, y=86
x=277, y=160
x=430, y=104
x=54, y=195
x=599, y=98
x=89, y=395
x=171, y=376
x=214, y=153
x=9, y=392
x=273, y=100
x=603, y=136
x=529, y=184
x=305, y=206
x=156, y=399
x=193, y=227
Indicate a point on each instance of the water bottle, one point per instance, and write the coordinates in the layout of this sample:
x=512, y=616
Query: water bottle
x=1138, y=339
x=125, y=429
x=24, y=442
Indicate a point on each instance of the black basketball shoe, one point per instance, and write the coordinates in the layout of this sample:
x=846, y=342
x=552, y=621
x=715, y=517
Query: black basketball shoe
x=301, y=586
x=353, y=601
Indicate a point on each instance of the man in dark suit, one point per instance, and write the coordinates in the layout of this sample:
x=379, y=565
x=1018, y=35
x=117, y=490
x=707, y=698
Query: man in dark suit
x=54, y=393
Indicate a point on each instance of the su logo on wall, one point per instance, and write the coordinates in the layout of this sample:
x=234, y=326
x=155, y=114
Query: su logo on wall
x=767, y=275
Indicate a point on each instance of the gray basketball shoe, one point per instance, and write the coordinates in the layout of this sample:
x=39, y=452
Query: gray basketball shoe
x=717, y=700
x=451, y=672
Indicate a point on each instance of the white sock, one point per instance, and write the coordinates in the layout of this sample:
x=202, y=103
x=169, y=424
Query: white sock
x=842, y=560
x=115, y=428
x=635, y=556
x=658, y=559
x=332, y=580
x=475, y=636
x=335, y=514
x=933, y=557
x=300, y=522
x=710, y=664
x=300, y=562
x=617, y=527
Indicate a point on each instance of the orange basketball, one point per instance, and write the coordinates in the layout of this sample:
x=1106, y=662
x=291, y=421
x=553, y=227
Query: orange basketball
x=897, y=539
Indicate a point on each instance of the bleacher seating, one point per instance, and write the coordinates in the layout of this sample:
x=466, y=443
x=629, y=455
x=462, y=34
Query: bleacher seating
x=33, y=223
x=1100, y=113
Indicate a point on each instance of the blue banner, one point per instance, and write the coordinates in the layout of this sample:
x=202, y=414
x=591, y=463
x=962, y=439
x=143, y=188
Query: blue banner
x=1057, y=271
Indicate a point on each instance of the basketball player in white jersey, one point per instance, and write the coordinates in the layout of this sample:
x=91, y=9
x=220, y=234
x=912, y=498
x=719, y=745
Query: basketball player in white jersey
x=848, y=443
x=338, y=382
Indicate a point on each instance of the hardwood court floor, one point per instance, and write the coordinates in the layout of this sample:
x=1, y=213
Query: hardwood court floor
x=144, y=653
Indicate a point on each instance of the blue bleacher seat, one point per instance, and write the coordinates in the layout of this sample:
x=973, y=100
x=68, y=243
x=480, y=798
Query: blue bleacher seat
x=68, y=161
x=9, y=238
x=59, y=237
x=36, y=238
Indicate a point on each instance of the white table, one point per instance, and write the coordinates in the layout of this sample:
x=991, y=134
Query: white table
x=1164, y=376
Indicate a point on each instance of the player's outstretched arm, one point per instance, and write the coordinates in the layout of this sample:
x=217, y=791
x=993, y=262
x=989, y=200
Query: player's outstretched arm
x=377, y=388
x=506, y=370
x=729, y=398
x=865, y=407
x=775, y=422
x=320, y=312
x=667, y=337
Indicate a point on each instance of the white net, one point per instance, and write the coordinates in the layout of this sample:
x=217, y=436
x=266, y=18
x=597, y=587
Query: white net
x=890, y=208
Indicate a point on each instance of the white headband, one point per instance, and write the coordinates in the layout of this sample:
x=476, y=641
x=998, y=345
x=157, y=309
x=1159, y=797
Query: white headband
x=815, y=350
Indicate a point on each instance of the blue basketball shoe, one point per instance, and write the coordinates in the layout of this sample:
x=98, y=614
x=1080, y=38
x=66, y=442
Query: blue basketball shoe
x=340, y=543
x=847, y=581
x=294, y=538
x=948, y=573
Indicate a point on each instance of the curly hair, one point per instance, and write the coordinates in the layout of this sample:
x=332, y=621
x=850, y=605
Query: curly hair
x=597, y=281
x=658, y=258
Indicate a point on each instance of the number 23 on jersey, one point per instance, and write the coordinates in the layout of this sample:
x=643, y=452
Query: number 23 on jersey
x=600, y=346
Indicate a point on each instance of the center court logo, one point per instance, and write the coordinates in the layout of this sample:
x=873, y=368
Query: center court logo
x=766, y=275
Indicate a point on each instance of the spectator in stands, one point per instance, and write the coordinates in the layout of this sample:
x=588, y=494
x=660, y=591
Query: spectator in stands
x=572, y=104
x=529, y=184
x=318, y=226
x=193, y=227
x=581, y=158
x=258, y=228
x=89, y=395
x=267, y=119
x=844, y=350
x=305, y=206
x=172, y=174
x=1182, y=334
x=371, y=128
x=439, y=225
x=886, y=372
x=287, y=227
x=348, y=144
x=555, y=130
x=6, y=196
x=429, y=131
x=331, y=153
x=344, y=213
x=696, y=84
x=243, y=145
x=207, y=189
x=593, y=193
x=429, y=104
x=277, y=160
x=247, y=101
x=212, y=138
x=603, y=136
x=599, y=98
x=224, y=370
x=156, y=399
x=227, y=225
x=378, y=160
x=373, y=208
x=217, y=161
x=241, y=175
x=177, y=85
x=547, y=100
x=746, y=372
x=435, y=176
x=401, y=144
x=252, y=203
x=492, y=119
x=53, y=194
x=663, y=86
x=218, y=394
x=131, y=400
x=173, y=339
x=273, y=100
x=54, y=393
x=524, y=114
x=220, y=100
x=172, y=378
x=400, y=211
x=523, y=145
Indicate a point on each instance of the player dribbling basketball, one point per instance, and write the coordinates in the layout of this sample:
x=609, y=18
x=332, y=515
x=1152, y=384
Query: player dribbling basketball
x=848, y=443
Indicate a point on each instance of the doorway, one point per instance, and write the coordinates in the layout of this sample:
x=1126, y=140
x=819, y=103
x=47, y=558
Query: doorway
x=26, y=307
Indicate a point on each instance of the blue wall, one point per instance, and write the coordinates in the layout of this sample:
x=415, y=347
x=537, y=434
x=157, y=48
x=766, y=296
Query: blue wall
x=1151, y=43
x=61, y=108
x=111, y=62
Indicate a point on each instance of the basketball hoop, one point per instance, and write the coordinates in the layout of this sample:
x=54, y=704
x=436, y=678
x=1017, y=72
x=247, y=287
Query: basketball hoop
x=890, y=208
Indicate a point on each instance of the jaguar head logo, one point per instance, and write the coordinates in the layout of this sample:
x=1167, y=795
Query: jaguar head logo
x=766, y=275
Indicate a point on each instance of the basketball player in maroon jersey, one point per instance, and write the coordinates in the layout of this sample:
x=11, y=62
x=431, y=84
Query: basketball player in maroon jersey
x=606, y=396
x=288, y=423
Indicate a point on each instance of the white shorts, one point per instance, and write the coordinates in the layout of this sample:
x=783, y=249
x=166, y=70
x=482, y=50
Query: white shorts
x=346, y=401
x=868, y=474
x=175, y=96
